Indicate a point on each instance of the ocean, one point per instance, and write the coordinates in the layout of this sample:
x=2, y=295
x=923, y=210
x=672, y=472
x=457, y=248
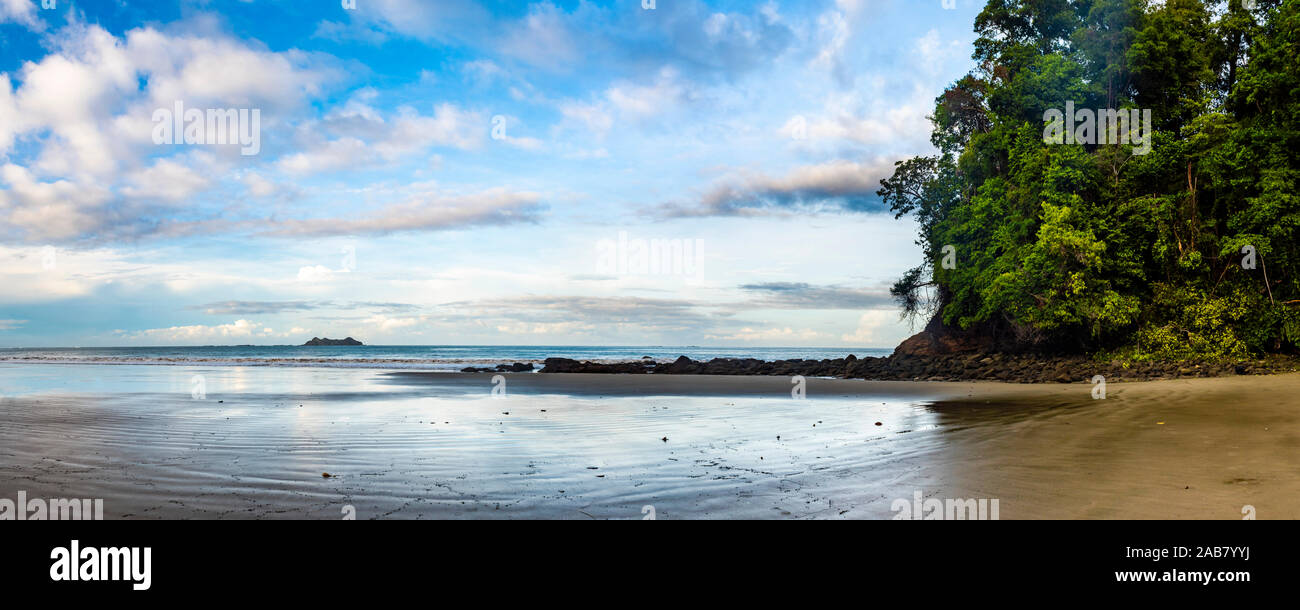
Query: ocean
x=440, y=358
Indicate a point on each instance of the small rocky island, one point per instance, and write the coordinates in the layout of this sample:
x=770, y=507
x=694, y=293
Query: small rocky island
x=315, y=341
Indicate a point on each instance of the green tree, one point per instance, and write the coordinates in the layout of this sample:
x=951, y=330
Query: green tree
x=1095, y=246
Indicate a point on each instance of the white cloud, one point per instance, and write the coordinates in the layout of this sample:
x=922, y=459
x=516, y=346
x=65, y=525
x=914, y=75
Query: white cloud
x=846, y=118
x=934, y=54
x=876, y=328
x=366, y=137
x=166, y=180
x=770, y=336
x=90, y=120
x=833, y=31
x=385, y=324
x=501, y=132
x=543, y=38
x=838, y=183
x=259, y=186
x=70, y=93
x=546, y=328
x=715, y=24
x=524, y=143
x=667, y=91
x=419, y=19
x=429, y=211
x=87, y=92
x=483, y=71
x=315, y=273
x=594, y=117
x=11, y=120
x=40, y=274
x=332, y=155
x=48, y=210
x=630, y=101
x=20, y=11
x=199, y=333
x=834, y=178
x=223, y=72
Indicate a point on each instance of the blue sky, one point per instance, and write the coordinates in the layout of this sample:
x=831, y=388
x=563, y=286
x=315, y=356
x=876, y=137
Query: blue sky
x=456, y=172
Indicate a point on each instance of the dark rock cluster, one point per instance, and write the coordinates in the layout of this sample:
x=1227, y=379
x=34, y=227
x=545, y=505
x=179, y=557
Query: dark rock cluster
x=518, y=367
x=937, y=367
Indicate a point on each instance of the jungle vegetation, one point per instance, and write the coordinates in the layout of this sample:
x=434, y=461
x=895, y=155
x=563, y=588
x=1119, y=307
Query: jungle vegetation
x=1189, y=251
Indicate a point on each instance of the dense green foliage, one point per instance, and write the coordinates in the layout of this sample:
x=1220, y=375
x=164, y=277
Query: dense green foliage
x=1096, y=247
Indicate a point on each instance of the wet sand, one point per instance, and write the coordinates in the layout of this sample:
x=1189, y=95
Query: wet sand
x=412, y=445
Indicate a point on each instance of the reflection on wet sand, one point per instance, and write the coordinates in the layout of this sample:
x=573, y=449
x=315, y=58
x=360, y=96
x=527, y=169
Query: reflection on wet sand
x=409, y=445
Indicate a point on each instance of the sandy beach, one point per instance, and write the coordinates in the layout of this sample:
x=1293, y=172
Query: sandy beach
x=435, y=445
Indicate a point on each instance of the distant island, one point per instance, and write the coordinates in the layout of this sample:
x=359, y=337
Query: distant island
x=332, y=342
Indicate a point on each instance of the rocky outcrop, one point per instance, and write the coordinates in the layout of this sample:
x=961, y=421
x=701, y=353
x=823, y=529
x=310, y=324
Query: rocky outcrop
x=567, y=365
x=937, y=340
x=316, y=341
x=966, y=366
x=939, y=353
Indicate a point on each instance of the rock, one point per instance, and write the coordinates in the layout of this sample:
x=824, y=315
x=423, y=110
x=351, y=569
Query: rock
x=921, y=344
x=681, y=366
x=517, y=367
x=560, y=365
x=937, y=340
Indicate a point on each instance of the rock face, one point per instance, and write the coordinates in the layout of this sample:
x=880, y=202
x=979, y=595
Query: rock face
x=937, y=340
x=332, y=342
